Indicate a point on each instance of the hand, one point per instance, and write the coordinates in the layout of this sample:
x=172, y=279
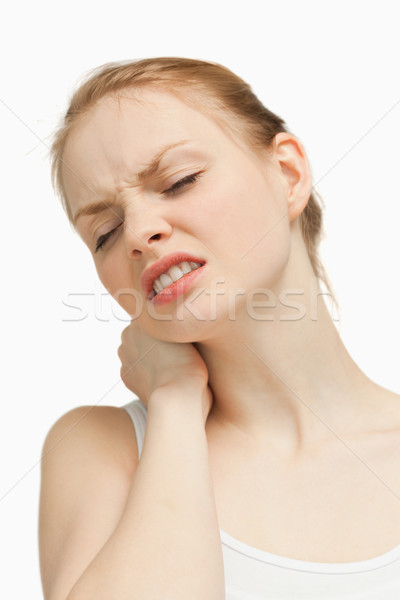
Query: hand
x=148, y=364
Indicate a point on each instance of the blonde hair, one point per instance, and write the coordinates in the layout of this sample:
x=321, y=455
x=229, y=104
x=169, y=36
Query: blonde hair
x=213, y=89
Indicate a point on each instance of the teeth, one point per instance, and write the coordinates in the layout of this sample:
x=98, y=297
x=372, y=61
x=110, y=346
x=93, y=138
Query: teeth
x=173, y=274
x=165, y=280
x=185, y=267
x=157, y=286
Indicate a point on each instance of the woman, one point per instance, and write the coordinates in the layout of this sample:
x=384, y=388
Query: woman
x=268, y=467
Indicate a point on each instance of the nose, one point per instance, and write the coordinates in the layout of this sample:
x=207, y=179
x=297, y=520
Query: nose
x=144, y=228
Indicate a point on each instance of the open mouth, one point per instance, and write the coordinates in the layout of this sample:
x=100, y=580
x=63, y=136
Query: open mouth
x=172, y=275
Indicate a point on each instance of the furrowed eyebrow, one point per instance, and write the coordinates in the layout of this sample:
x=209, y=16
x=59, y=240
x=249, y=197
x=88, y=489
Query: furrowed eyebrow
x=93, y=209
x=154, y=164
x=149, y=170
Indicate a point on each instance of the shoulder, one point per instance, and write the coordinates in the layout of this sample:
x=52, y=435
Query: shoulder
x=105, y=431
x=89, y=459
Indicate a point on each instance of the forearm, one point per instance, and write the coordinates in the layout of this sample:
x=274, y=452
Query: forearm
x=167, y=544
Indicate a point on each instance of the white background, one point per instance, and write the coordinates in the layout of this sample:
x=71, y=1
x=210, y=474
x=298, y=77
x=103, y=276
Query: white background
x=330, y=69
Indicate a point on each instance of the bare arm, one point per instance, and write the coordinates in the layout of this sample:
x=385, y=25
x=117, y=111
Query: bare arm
x=166, y=544
x=89, y=460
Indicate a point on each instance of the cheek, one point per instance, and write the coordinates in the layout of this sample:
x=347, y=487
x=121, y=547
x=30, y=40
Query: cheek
x=116, y=277
x=246, y=222
x=267, y=246
x=250, y=243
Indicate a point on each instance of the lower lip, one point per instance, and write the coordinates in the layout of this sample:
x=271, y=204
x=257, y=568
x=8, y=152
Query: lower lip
x=178, y=288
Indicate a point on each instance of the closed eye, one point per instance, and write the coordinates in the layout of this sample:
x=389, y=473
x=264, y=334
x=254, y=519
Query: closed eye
x=174, y=189
x=103, y=239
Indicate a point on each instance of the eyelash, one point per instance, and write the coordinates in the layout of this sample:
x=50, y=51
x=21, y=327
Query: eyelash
x=103, y=239
x=172, y=191
x=181, y=183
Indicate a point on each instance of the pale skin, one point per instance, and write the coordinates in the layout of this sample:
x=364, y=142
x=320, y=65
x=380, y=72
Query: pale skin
x=287, y=412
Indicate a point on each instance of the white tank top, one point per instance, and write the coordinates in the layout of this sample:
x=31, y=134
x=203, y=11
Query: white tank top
x=252, y=574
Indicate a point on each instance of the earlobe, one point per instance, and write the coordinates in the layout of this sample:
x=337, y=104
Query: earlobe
x=295, y=170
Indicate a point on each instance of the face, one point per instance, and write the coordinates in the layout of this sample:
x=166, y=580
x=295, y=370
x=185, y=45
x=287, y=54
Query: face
x=209, y=197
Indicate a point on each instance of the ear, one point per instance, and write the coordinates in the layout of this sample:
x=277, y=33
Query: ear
x=293, y=167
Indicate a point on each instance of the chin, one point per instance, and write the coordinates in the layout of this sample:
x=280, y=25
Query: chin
x=182, y=331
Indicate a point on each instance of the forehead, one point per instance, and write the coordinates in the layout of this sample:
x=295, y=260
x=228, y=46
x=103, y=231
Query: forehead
x=139, y=118
x=122, y=133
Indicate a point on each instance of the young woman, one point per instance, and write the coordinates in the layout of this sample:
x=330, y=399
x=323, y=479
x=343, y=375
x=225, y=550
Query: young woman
x=268, y=460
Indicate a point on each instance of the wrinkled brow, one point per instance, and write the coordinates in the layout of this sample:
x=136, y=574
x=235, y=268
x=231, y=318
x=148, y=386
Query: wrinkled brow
x=149, y=170
x=154, y=164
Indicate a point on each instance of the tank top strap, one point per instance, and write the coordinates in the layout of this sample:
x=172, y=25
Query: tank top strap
x=138, y=414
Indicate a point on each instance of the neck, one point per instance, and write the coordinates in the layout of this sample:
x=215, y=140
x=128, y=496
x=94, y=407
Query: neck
x=288, y=384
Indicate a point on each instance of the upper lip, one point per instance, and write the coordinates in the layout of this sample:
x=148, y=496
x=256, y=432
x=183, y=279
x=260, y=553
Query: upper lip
x=163, y=264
